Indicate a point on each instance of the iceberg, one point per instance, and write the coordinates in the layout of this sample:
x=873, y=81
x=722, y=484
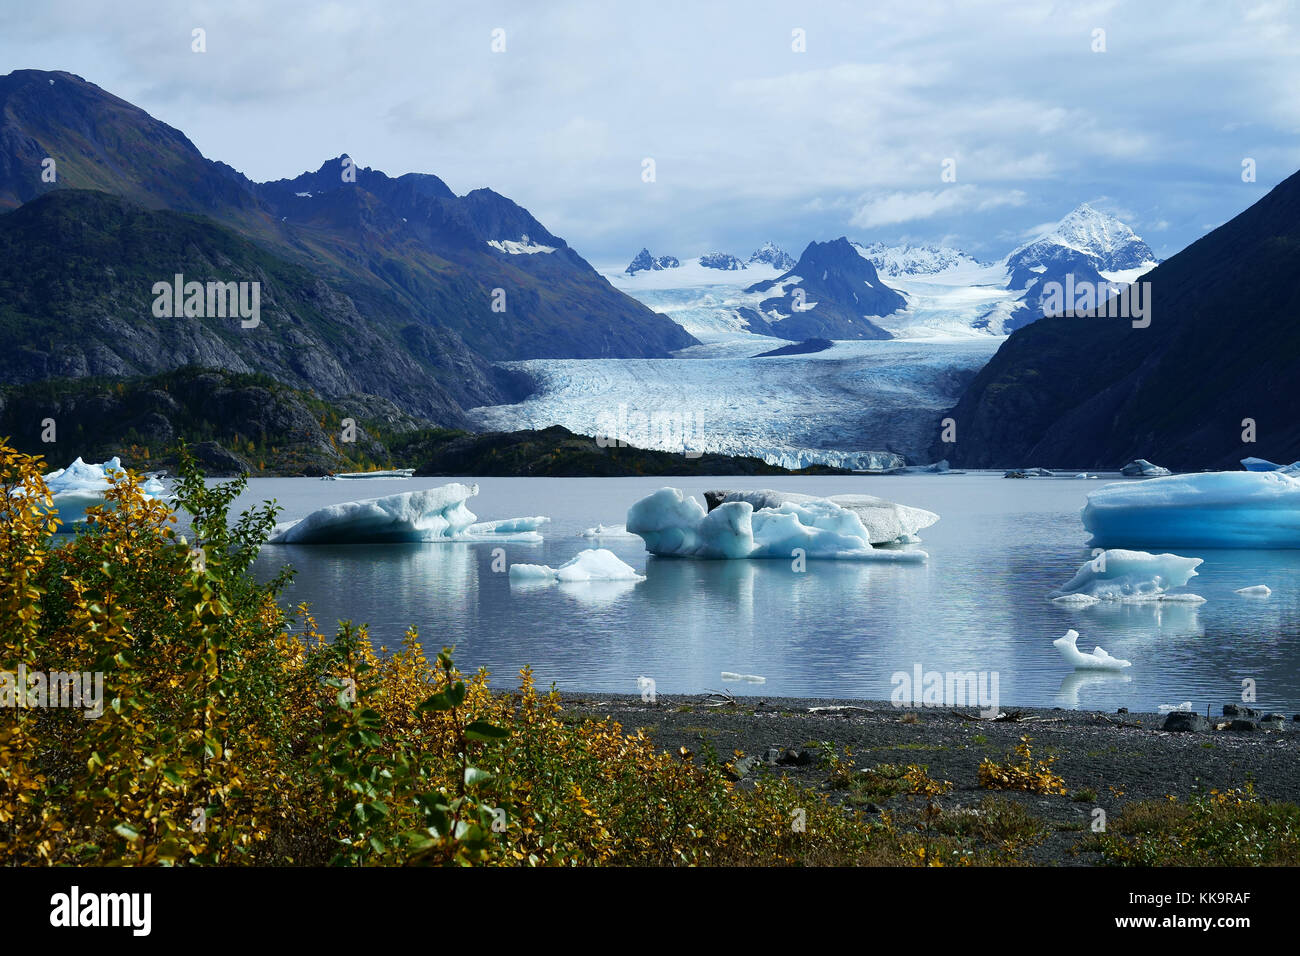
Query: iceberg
x=1029, y=473
x=885, y=521
x=594, y=564
x=1098, y=660
x=1255, y=590
x=1141, y=468
x=1260, y=464
x=1119, y=575
x=1218, y=509
x=675, y=525
x=747, y=678
x=81, y=486
x=606, y=531
x=435, y=514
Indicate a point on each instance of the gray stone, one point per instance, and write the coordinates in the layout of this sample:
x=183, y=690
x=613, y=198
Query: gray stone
x=1185, y=721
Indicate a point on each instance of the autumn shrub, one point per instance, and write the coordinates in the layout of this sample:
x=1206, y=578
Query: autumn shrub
x=1023, y=773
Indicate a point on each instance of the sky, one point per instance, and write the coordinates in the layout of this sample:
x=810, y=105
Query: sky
x=785, y=121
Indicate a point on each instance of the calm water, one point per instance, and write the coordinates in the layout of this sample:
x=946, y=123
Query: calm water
x=839, y=630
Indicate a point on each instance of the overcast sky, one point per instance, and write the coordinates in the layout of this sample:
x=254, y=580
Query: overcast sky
x=751, y=139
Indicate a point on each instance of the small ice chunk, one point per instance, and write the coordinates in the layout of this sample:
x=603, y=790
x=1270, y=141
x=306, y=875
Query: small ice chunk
x=1256, y=590
x=1182, y=708
x=1098, y=660
x=606, y=531
x=1119, y=575
x=1144, y=469
x=594, y=564
x=748, y=678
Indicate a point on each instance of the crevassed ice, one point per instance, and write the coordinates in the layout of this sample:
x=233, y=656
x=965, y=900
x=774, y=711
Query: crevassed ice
x=673, y=524
x=1221, y=509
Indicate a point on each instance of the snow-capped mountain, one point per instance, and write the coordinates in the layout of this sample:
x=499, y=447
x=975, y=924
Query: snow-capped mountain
x=770, y=254
x=644, y=262
x=914, y=260
x=721, y=260
x=1109, y=243
x=831, y=292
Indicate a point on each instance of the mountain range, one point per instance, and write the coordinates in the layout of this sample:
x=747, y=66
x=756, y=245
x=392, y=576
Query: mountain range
x=372, y=284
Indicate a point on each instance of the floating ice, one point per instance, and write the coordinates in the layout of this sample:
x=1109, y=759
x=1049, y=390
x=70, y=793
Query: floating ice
x=1256, y=590
x=1098, y=660
x=1029, y=473
x=672, y=524
x=1129, y=576
x=1183, y=708
x=1219, y=509
x=594, y=564
x=1260, y=464
x=435, y=514
x=884, y=521
x=747, y=678
x=81, y=486
x=507, y=526
x=1144, y=469
x=606, y=531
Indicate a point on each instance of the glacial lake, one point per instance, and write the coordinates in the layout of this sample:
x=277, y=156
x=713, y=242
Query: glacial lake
x=837, y=630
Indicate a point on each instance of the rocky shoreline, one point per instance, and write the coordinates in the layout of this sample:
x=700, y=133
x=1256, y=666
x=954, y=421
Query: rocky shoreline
x=1107, y=761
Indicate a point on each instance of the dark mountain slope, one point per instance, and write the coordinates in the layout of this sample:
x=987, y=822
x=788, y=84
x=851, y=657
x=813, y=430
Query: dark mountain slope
x=1223, y=345
x=77, y=271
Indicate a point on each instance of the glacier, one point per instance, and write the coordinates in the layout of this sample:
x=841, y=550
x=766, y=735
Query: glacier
x=1120, y=575
x=886, y=522
x=1219, y=509
x=82, y=485
x=675, y=525
x=434, y=514
x=1098, y=660
x=858, y=405
x=594, y=564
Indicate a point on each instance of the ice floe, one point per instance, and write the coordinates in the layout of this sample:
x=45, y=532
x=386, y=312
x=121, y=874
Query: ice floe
x=1119, y=575
x=1141, y=468
x=1218, y=509
x=1255, y=590
x=747, y=678
x=82, y=485
x=1098, y=660
x=673, y=524
x=434, y=514
x=594, y=564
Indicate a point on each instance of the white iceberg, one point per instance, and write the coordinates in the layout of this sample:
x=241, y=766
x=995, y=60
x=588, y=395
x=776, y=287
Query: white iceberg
x=1219, y=509
x=747, y=678
x=886, y=522
x=435, y=514
x=672, y=524
x=1183, y=708
x=606, y=531
x=1256, y=590
x=1119, y=575
x=1141, y=468
x=594, y=564
x=81, y=486
x=1098, y=660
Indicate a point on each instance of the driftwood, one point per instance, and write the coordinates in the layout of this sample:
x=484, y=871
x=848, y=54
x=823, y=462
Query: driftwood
x=834, y=707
